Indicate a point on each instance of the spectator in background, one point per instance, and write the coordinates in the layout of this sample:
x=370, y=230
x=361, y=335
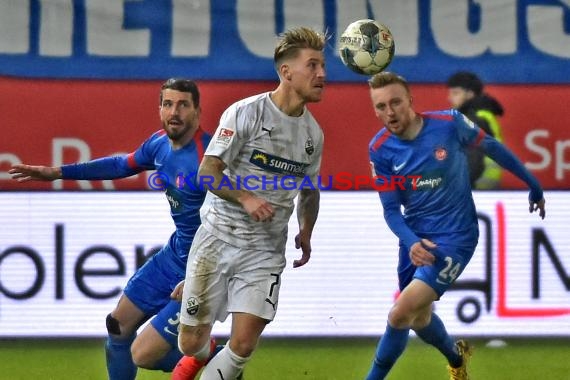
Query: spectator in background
x=466, y=95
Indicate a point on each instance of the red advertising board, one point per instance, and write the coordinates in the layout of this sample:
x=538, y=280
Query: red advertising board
x=51, y=122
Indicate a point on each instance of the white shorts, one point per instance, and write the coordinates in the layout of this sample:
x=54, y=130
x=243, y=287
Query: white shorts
x=223, y=279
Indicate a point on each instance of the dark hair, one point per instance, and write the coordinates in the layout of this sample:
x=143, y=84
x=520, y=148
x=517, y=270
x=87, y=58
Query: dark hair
x=467, y=81
x=182, y=85
x=386, y=78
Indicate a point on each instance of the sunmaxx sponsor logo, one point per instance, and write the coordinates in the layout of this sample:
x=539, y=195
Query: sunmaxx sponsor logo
x=277, y=164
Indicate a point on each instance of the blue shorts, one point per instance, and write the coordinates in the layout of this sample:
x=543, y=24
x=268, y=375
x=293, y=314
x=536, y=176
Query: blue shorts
x=166, y=322
x=450, y=261
x=150, y=287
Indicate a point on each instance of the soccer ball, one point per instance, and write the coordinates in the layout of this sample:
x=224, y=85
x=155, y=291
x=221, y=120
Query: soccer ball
x=366, y=47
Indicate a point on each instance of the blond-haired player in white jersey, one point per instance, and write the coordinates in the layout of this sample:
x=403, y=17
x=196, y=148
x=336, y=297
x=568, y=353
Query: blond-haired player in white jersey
x=263, y=146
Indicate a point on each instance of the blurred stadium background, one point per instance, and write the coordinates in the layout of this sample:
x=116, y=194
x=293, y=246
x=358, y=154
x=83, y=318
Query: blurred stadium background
x=79, y=79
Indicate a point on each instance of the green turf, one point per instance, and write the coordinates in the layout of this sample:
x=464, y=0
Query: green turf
x=300, y=359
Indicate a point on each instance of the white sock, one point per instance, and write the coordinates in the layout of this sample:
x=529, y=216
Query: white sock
x=226, y=365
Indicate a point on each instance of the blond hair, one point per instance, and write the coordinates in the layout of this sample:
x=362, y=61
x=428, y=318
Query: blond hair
x=293, y=40
x=386, y=78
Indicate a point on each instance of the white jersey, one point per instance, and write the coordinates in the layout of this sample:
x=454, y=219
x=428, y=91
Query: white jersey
x=269, y=153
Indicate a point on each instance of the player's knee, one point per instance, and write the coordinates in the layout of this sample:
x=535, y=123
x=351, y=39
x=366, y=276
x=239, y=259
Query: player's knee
x=243, y=347
x=113, y=325
x=143, y=357
x=421, y=320
x=399, y=318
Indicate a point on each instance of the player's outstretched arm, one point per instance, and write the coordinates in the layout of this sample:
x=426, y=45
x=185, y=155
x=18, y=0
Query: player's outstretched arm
x=25, y=173
x=101, y=168
x=504, y=157
x=307, y=213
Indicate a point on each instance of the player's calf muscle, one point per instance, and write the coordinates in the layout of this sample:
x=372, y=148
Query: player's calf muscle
x=192, y=338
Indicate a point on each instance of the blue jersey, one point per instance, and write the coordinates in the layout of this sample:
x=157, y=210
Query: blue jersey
x=177, y=168
x=436, y=194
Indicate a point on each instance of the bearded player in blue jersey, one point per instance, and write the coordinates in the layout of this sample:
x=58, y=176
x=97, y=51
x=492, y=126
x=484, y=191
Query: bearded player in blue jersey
x=438, y=229
x=175, y=152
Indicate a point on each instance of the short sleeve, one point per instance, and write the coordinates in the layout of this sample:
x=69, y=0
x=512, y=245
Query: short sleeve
x=230, y=136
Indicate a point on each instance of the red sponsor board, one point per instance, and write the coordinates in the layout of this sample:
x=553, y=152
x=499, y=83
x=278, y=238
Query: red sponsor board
x=50, y=122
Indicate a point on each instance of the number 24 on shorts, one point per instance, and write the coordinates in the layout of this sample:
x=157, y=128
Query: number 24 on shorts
x=450, y=272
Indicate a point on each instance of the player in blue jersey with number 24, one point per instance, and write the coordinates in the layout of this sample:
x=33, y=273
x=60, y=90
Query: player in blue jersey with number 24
x=438, y=230
x=175, y=152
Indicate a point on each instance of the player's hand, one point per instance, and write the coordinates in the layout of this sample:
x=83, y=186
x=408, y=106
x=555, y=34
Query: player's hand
x=25, y=173
x=258, y=208
x=177, y=292
x=420, y=254
x=534, y=206
x=303, y=241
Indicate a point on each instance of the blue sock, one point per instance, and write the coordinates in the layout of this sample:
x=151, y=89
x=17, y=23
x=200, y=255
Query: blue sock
x=389, y=349
x=436, y=335
x=120, y=365
x=168, y=362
